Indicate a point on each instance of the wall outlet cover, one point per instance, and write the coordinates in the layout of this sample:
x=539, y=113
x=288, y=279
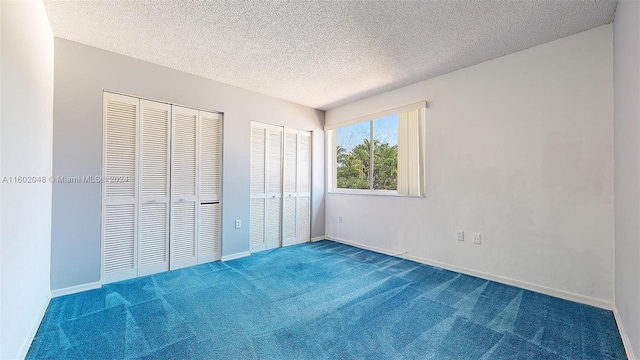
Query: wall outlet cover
x=477, y=238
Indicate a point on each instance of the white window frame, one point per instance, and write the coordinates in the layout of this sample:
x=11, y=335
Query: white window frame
x=331, y=143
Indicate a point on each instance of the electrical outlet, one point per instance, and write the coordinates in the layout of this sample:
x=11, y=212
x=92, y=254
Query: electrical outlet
x=238, y=224
x=460, y=235
x=477, y=238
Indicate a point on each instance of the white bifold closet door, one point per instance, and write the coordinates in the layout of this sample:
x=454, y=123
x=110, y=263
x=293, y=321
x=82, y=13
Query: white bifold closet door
x=297, y=187
x=135, y=224
x=266, y=186
x=151, y=220
x=183, y=187
x=304, y=186
x=280, y=186
x=120, y=199
x=196, y=187
x=153, y=227
x=210, y=188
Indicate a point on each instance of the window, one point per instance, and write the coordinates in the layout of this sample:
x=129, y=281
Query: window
x=380, y=154
x=354, y=148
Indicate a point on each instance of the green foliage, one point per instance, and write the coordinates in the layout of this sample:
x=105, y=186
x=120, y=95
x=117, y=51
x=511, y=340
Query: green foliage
x=353, y=167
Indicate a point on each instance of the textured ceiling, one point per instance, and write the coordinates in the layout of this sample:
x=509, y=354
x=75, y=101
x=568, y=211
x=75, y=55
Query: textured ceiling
x=322, y=54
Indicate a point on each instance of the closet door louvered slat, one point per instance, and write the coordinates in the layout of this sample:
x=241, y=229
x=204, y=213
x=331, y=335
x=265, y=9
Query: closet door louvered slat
x=154, y=179
x=119, y=223
x=210, y=176
x=184, y=171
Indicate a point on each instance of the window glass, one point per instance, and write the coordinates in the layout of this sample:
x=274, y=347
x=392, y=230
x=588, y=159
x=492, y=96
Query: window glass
x=353, y=156
x=385, y=153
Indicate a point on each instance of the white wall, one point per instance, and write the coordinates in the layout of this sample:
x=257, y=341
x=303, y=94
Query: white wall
x=626, y=72
x=520, y=149
x=26, y=150
x=81, y=73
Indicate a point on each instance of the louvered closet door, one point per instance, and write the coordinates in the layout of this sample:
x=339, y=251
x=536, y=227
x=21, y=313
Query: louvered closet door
x=303, y=212
x=258, y=187
x=210, y=176
x=274, y=187
x=289, y=218
x=119, y=212
x=184, y=169
x=153, y=229
x=266, y=186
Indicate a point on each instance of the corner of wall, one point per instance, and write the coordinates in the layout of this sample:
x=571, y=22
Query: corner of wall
x=24, y=349
x=26, y=135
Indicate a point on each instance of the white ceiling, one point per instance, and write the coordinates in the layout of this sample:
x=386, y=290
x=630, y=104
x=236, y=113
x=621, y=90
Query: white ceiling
x=322, y=54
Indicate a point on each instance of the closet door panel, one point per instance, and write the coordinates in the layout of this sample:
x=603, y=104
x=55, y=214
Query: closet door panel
x=183, y=244
x=154, y=179
x=274, y=187
x=119, y=199
x=154, y=238
x=210, y=239
x=119, y=241
x=210, y=187
x=258, y=187
x=290, y=161
x=304, y=187
x=183, y=250
x=289, y=219
x=257, y=226
x=304, y=219
x=210, y=156
x=304, y=162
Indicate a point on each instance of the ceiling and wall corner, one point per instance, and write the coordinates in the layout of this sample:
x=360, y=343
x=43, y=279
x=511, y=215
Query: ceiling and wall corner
x=322, y=54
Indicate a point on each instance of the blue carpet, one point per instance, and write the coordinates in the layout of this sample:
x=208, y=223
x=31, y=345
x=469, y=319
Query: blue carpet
x=321, y=300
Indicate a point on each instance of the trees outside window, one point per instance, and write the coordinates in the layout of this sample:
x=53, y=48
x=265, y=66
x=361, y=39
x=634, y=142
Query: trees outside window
x=355, y=144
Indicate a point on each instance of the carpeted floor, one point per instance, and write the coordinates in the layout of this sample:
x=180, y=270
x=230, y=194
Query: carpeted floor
x=321, y=300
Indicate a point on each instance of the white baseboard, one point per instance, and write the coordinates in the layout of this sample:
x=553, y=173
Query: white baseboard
x=24, y=349
x=623, y=334
x=75, y=289
x=367, y=247
x=603, y=304
x=236, y=256
x=318, y=238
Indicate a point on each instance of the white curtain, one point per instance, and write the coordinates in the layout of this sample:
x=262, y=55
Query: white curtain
x=411, y=138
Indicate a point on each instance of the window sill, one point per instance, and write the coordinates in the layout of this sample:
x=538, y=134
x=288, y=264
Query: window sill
x=370, y=193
